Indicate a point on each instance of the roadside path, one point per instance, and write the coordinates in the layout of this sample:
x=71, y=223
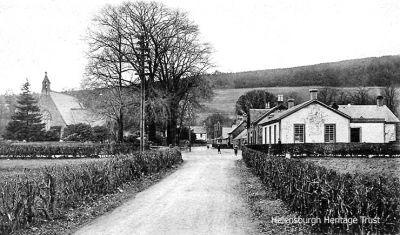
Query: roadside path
x=199, y=198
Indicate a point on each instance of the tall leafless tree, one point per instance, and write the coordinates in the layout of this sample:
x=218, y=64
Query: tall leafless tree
x=177, y=57
x=108, y=68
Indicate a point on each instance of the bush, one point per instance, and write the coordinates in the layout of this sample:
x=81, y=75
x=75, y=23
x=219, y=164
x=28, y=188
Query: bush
x=331, y=149
x=37, y=196
x=53, y=134
x=100, y=133
x=78, y=132
x=316, y=192
x=31, y=150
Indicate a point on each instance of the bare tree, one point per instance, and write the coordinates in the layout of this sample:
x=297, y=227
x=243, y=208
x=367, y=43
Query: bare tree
x=391, y=95
x=108, y=68
x=176, y=57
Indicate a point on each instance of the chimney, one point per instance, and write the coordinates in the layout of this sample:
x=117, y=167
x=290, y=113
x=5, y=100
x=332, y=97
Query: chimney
x=267, y=105
x=280, y=99
x=313, y=94
x=379, y=100
x=290, y=103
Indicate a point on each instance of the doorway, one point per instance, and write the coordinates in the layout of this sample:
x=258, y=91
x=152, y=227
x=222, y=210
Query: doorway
x=355, y=135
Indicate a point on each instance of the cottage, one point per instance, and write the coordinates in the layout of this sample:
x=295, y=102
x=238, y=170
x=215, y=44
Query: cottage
x=254, y=129
x=316, y=122
x=238, y=134
x=200, y=132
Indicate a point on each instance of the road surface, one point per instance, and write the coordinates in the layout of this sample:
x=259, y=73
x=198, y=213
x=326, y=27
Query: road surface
x=199, y=198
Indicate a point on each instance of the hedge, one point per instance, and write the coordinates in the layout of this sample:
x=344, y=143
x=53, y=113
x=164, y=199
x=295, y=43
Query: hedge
x=48, y=193
x=316, y=192
x=65, y=150
x=331, y=149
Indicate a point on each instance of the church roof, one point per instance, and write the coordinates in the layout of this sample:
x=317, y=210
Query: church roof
x=72, y=111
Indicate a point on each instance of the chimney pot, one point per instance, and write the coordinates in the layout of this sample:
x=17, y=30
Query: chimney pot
x=379, y=100
x=290, y=103
x=280, y=99
x=313, y=94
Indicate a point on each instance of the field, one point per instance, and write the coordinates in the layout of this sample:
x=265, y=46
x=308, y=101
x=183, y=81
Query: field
x=387, y=166
x=17, y=166
x=225, y=99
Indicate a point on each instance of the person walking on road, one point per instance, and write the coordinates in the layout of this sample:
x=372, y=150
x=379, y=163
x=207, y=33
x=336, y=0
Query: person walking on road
x=235, y=148
x=219, y=149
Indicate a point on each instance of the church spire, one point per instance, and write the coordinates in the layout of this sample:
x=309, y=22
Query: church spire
x=45, y=85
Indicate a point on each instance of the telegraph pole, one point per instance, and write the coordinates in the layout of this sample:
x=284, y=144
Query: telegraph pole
x=142, y=76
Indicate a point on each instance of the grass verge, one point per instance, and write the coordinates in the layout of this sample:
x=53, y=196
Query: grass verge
x=87, y=212
x=265, y=206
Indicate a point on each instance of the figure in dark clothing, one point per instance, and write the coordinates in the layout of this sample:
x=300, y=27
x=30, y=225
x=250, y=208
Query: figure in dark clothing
x=279, y=147
x=235, y=148
x=219, y=149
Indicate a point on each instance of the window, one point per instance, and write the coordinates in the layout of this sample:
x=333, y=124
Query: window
x=330, y=133
x=274, y=134
x=299, y=133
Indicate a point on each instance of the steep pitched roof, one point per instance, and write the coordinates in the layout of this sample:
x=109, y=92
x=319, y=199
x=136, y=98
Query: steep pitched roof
x=296, y=108
x=256, y=113
x=199, y=129
x=242, y=135
x=280, y=106
x=234, y=127
x=369, y=112
x=72, y=111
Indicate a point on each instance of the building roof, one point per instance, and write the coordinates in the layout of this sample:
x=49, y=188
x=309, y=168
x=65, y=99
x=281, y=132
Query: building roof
x=72, y=111
x=199, y=129
x=269, y=111
x=256, y=113
x=234, y=127
x=242, y=135
x=369, y=112
x=294, y=109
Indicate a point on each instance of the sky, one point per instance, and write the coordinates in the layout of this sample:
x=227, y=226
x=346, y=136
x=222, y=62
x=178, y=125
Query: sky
x=48, y=35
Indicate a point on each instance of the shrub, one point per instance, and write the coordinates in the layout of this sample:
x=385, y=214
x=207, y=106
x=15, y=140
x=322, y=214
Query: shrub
x=100, y=133
x=31, y=150
x=331, y=149
x=316, y=192
x=78, y=132
x=53, y=134
x=47, y=194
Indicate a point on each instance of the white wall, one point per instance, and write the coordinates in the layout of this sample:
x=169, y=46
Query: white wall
x=315, y=117
x=265, y=134
x=390, y=132
x=201, y=136
x=371, y=132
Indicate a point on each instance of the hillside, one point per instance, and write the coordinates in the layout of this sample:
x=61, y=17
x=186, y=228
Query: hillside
x=373, y=71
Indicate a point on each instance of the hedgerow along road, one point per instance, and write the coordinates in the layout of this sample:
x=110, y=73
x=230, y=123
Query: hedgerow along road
x=201, y=197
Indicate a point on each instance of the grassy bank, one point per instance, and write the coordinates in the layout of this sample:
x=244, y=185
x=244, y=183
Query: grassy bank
x=47, y=194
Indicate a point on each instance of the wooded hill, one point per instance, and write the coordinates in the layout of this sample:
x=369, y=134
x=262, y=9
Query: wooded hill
x=373, y=71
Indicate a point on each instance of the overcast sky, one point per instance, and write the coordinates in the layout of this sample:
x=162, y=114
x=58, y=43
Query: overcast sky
x=47, y=35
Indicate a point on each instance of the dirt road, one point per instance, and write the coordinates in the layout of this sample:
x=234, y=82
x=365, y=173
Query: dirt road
x=199, y=198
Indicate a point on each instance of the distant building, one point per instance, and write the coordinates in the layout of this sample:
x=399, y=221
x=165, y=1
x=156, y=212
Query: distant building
x=200, y=132
x=59, y=109
x=316, y=122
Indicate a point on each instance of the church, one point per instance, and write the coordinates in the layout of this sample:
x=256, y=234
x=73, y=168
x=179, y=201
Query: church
x=60, y=109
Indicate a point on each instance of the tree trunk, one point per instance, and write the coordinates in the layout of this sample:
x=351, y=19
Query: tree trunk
x=152, y=131
x=172, y=121
x=120, y=135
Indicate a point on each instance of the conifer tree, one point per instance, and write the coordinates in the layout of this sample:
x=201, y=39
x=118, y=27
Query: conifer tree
x=26, y=123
